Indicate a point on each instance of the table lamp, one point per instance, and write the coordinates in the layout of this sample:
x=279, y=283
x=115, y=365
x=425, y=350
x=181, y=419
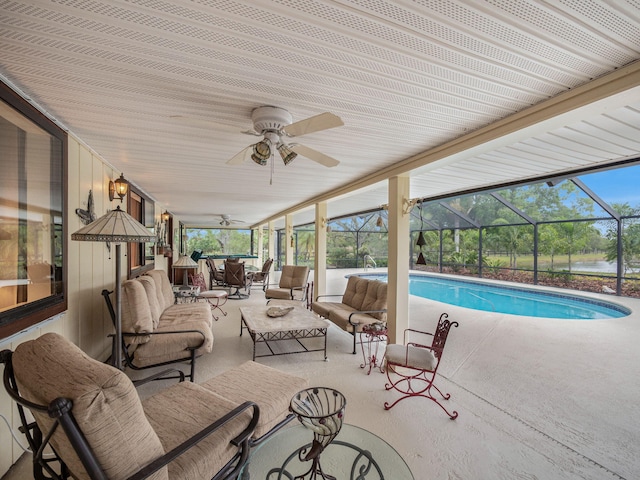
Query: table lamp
x=116, y=227
x=185, y=262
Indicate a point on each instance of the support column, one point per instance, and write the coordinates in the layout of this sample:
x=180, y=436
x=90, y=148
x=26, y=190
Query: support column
x=289, y=241
x=399, y=243
x=320, y=262
x=271, y=242
x=260, y=241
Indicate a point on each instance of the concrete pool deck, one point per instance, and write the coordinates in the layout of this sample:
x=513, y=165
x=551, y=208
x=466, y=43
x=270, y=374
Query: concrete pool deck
x=538, y=398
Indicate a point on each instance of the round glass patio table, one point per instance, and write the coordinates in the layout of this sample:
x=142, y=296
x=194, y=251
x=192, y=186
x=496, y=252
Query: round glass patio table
x=355, y=454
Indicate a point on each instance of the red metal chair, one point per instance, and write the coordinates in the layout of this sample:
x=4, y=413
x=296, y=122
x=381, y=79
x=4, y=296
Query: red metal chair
x=215, y=298
x=415, y=365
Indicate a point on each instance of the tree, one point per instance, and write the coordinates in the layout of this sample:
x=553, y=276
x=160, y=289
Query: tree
x=630, y=238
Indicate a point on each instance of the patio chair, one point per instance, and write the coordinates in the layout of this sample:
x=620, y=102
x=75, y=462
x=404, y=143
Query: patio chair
x=216, y=275
x=235, y=277
x=292, y=285
x=263, y=275
x=412, y=367
x=92, y=417
x=215, y=298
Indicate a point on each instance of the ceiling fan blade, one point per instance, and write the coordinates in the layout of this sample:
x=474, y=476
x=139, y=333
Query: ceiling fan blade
x=314, y=155
x=324, y=121
x=241, y=157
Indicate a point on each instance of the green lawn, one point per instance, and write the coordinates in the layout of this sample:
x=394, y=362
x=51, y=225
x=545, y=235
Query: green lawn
x=526, y=261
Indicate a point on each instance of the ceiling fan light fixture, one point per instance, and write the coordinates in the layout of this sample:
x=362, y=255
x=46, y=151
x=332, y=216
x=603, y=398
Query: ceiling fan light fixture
x=286, y=153
x=262, y=150
x=259, y=161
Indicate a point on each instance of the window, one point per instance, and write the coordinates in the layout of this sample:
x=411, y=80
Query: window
x=141, y=255
x=32, y=198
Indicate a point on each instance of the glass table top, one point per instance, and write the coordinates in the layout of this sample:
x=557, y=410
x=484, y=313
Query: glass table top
x=355, y=454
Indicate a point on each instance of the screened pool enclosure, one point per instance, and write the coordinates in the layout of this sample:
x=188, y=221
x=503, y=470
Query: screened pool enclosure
x=579, y=231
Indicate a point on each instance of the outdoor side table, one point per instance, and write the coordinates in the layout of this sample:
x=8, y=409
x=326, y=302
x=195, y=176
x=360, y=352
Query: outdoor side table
x=185, y=294
x=372, y=336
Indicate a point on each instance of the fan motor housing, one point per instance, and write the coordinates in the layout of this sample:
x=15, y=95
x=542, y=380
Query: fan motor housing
x=270, y=119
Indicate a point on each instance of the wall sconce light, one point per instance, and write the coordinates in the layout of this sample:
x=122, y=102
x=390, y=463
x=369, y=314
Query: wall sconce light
x=165, y=217
x=119, y=187
x=292, y=241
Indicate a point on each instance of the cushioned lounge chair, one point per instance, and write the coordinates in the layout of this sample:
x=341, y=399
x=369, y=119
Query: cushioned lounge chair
x=91, y=416
x=292, y=285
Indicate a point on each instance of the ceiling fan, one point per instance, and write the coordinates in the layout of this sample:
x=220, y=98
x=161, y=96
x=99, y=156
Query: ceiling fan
x=274, y=125
x=225, y=220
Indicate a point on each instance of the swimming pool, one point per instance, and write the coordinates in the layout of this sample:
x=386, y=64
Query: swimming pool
x=509, y=299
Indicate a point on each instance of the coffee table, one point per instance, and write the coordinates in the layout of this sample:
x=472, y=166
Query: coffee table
x=299, y=324
x=355, y=454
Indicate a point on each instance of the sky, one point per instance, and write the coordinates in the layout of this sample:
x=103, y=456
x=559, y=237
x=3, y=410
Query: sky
x=621, y=185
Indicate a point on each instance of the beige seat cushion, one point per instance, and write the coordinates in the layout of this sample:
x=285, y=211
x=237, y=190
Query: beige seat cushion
x=106, y=405
x=136, y=311
x=166, y=298
x=280, y=293
x=293, y=276
x=355, y=292
x=187, y=312
x=412, y=357
x=271, y=389
x=179, y=412
x=323, y=308
x=213, y=294
x=340, y=316
x=376, y=299
x=151, y=290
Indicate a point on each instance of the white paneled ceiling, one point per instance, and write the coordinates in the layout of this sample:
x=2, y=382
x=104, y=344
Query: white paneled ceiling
x=163, y=90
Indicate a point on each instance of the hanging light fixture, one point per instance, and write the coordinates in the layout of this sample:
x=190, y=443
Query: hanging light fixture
x=165, y=217
x=421, y=242
x=119, y=188
x=286, y=153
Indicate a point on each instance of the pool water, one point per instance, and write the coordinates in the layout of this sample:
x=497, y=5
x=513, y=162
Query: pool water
x=511, y=300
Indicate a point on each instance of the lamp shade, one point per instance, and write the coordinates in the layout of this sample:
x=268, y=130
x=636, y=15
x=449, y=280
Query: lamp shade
x=286, y=153
x=262, y=149
x=116, y=226
x=185, y=261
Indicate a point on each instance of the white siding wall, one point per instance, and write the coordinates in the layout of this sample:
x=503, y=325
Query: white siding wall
x=90, y=269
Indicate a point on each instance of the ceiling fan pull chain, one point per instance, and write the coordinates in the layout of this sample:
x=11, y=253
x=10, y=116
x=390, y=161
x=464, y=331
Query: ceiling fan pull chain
x=272, y=167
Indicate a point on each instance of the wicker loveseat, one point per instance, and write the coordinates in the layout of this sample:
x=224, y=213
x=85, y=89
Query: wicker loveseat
x=100, y=429
x=363, y=302
x=155, y=331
